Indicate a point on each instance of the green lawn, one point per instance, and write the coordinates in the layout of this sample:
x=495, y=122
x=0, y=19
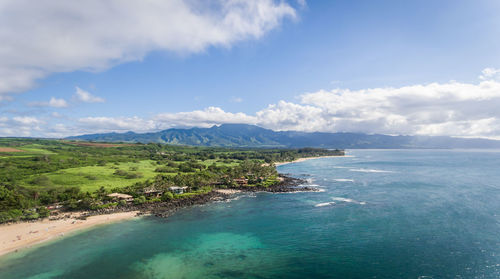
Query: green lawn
x=36, y=148
x=29, y=150
x=92, y=178
x=219, y=163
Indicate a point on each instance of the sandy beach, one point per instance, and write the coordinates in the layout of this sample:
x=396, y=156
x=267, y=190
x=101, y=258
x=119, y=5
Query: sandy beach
x=14, y=237
x=307, y=158
x=17, y=236
x=228, y=191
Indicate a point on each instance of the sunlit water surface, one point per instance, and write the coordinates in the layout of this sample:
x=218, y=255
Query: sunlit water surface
x=381, y=214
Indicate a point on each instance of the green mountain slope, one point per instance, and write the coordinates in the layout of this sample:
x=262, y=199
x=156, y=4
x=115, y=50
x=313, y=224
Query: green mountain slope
x=242, y=135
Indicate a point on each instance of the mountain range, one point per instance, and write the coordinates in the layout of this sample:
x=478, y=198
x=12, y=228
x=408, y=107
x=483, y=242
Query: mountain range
x=243, y=135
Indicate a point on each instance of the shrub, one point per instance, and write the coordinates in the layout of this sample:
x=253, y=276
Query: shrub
x=128, y=175
x=164, y=169
x=167, y=196
x=90, y=177
x=71, y=204
x=43, y=212
x=132, y=175
x=120, y=172
x=41, y=180
x=140, y=200
x=11, y=215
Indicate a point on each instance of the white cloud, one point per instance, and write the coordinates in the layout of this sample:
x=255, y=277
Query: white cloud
x=49, y=36
x=451, y=109
x=84, y=96
x=54, y=102
x=26, y=120
x=20, y=126
x=202, y=118
x=490, y=73
x=116, y=124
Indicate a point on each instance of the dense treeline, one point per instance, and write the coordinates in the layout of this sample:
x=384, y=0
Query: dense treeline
x=175, y=166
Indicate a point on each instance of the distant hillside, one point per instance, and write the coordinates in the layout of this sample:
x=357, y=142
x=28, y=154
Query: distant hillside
x=242, y=135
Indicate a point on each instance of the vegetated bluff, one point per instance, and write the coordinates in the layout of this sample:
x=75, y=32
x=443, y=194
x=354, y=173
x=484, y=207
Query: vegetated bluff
x=242, y=135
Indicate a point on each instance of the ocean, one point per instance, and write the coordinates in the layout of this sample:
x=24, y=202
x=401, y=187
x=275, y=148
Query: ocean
x=379, y=214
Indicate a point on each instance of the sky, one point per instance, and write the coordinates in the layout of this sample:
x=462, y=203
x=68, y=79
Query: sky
x=414, y=67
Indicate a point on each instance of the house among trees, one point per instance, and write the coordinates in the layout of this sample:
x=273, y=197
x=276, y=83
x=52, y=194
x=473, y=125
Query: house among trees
x=177, y=189
x=241, y=181
x=119, y=196
x=153, y=192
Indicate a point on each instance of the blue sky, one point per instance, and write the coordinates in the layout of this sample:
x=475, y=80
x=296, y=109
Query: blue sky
x=393, y=67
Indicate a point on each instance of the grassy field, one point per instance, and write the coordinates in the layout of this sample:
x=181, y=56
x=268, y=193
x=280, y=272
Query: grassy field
x=91, y=178
x=38, y=173
x=29, y=150
x=219, y=162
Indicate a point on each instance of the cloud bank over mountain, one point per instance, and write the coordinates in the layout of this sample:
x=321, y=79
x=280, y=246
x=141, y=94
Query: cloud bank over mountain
x=48, y=36
x=451, y=109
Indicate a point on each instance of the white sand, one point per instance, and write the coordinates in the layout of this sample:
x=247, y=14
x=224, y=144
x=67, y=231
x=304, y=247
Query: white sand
x=305, y=159
x=228, y=191
x=22, y=235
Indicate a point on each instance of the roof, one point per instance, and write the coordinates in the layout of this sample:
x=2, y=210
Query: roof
x=152, y=190
x=177, y=188
x=120, y=196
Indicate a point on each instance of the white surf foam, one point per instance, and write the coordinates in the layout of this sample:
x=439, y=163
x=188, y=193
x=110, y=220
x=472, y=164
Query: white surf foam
x=324, y=204
x=371, y=170
x=344, y=180
x=343, y=199
x=340, y=199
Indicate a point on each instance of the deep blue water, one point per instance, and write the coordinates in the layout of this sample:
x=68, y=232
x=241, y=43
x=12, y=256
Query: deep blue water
x=382, y=214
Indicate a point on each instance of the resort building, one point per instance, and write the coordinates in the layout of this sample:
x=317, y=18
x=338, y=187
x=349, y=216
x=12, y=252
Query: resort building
x=177, y=189
x=120, y=196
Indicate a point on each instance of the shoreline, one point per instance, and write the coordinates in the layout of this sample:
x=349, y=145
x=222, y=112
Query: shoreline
x=307, y=159
x=22, y=235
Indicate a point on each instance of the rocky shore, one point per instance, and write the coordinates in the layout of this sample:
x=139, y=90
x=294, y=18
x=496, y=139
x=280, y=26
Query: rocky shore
x=165, y=209
x=25, y=234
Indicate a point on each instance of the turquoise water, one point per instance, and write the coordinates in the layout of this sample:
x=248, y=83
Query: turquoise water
x=382, y=214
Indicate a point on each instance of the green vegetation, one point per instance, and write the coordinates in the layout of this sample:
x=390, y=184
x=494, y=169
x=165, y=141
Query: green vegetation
x=37, y=174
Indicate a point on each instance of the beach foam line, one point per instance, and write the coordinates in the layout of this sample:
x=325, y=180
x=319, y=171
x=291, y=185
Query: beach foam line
x=371, y=170
x=324, y=204
x=341, y=199
x=344, y=180
x=340, y=167
x=309, y=185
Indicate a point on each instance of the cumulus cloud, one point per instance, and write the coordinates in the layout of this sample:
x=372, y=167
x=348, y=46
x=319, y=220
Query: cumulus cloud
x=84, y=96
x=202, y=118
x=449, y=109
x=452, y=109
x=49, y=36
x=490, y=73
x=20, y=126
x=116, y=124
x=53, y=102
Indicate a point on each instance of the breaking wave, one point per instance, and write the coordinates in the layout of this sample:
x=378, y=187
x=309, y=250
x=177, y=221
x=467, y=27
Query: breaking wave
x=371, y=170
x=344, y=180
x=340, y=199
x=324, y=204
